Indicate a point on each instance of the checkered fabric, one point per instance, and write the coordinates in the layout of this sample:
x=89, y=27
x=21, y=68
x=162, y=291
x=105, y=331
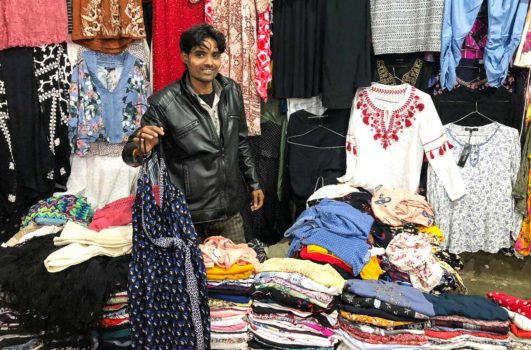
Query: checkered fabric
x=232, y=228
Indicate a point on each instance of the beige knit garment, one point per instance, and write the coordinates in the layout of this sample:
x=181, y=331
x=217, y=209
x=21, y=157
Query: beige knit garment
x=82, y=244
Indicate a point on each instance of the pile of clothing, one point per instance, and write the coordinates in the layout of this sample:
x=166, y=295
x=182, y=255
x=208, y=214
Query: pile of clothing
x=115, y=329
x=389, y=235
x=467, y=321
x=519, y=311
x=382, y=315
x=63, y=276
x=332, y=232
x=295, y=305
x=230, y=273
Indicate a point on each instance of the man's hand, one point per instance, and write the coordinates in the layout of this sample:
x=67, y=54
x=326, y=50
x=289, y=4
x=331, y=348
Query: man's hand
x=258, y=200
x=146, y=138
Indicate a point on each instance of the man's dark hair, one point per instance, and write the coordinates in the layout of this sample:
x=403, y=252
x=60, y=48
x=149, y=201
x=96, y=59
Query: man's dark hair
x=197, y=34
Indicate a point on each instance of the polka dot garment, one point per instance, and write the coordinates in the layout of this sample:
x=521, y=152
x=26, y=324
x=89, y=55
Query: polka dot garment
x=167, y=287
x=520, y=306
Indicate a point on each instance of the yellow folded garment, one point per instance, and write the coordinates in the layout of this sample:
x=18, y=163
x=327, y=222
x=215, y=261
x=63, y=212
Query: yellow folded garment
x=312, y=248
x=371, y=271
x=236, y=272
x=432, y=231
x=375, y=321
x=323, y=274
x=216, y=303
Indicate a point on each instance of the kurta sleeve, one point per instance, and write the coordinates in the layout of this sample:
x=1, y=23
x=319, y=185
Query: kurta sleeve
x=351, y=149
x=437, y=150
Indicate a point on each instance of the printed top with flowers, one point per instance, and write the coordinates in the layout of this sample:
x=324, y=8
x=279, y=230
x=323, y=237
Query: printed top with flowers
x=108, y=97
x=390, y=130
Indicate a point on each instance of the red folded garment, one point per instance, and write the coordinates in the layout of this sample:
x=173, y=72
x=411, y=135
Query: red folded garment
x=520, y=306
x=113, y=322
x=117, y=213
x=520, y=333
x=325, y=258
x=450, y=335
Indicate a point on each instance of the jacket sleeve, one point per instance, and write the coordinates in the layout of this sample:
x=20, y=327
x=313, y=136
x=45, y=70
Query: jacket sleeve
x=244, y=151
x=153, y=116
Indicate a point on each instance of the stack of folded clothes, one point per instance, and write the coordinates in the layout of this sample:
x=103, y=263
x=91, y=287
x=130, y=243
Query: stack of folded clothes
x=383, y=315
x=114, y=326
x=467, y=321
x=230, y=274
x=295, y=305
x=519, y=311
x=332, y=232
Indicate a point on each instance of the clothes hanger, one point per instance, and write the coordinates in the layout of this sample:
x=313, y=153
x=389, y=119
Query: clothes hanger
x=396, y=77
x=320, y=126
x=472, y=113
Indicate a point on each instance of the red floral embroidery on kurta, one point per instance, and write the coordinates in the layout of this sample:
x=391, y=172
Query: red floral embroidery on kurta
x=400, y=118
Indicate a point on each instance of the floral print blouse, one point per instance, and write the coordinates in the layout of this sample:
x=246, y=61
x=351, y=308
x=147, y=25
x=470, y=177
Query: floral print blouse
x=108, y=97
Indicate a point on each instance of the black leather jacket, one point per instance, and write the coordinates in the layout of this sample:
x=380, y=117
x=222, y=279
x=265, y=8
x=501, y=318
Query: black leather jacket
x=205, y=166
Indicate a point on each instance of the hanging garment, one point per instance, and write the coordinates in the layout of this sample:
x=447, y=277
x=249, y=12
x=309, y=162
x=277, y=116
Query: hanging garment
x=237, y=20
x=32, y=23
x=390, y=129
x=504, y=105
x=476, y=41
x=107, y=99
x=408, y=68
x=297, y=45
x=506, y=22
x=101, y=179
x=406, y=26
x=485, y=217
x=9, y=184
x=263, y=58
x=346, y=61
x=315, y=151
x=170, y=19
x=107, y=26
x=167, y=285
x=523, y=55
x=53, y=72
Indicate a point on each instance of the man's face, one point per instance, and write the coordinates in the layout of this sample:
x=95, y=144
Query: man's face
x=203, y=61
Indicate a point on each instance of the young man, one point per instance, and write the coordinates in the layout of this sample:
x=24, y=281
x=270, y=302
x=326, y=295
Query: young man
x=198, y=124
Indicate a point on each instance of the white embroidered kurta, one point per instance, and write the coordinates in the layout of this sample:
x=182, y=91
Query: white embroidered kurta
x=485, y=217
x=390, y=130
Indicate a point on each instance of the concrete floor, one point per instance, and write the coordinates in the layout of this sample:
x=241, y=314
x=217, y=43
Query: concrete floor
x=483, y=272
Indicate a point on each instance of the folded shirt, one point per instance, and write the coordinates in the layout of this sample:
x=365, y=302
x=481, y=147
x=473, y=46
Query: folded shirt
x=471, y=306
x=520, y=306
x=393, y=293
x=322, y=274
x=234, y=272
x=112, y=238
x=76, y=253
x=222, y=252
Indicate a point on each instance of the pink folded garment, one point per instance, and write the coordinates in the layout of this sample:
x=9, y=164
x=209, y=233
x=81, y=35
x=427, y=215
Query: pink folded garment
x=117, y=213
x=395, y=207
x=222, y=252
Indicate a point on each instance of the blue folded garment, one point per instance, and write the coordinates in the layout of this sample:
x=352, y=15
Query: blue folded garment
x=337, y=227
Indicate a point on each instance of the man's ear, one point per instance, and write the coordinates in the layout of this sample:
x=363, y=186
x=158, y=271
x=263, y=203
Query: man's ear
x=185, y=58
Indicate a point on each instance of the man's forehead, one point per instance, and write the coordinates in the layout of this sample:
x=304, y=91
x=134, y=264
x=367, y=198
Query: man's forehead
x=207, y=44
